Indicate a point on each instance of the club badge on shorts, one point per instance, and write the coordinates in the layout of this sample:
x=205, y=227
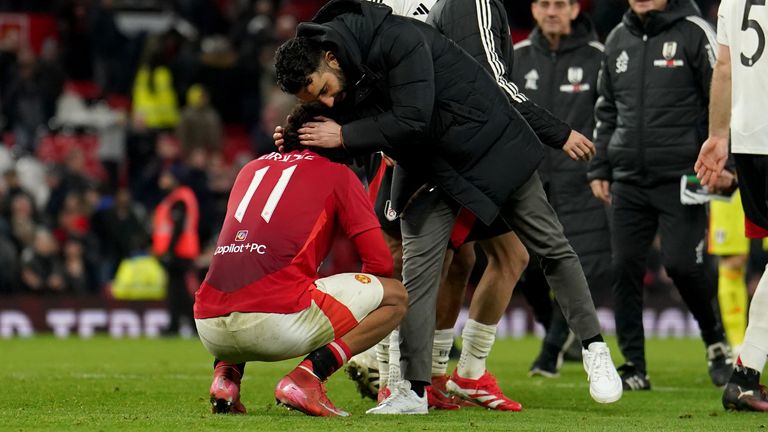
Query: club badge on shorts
x=363, y=279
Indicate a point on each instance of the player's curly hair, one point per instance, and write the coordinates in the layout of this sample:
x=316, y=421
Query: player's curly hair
x=307, y=112
x=295, y=60
x=301, y=114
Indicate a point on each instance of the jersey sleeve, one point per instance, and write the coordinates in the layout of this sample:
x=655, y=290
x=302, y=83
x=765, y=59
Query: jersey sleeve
x=354, y=210
x=398, y=6
x=722, y=28
x=355, y=215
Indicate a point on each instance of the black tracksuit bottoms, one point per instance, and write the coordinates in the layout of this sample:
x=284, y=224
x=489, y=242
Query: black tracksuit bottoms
x=638, y=214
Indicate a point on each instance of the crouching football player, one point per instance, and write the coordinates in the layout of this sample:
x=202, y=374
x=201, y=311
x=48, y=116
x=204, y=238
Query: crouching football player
x=262, y=299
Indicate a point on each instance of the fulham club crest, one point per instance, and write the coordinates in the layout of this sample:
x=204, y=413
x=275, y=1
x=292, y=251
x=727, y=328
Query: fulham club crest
x=668, y=51
x=575, y=76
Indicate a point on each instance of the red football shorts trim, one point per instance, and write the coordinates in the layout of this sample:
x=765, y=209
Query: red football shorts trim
x=462, y=227
x=341, y=318
x=754, y=231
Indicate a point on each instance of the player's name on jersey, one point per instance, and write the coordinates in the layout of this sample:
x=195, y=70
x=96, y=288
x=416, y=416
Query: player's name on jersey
x=287, y=157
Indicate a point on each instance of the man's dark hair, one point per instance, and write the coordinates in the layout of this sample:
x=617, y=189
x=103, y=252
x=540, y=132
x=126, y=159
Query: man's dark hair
x=295, y=60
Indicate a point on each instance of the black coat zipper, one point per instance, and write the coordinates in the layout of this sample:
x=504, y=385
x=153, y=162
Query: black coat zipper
x=641, y=111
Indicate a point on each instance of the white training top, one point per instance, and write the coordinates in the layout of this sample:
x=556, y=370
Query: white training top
x=417, y=9
x=743, y=26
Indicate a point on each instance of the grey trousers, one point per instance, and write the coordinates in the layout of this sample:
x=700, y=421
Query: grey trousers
x=426, y=226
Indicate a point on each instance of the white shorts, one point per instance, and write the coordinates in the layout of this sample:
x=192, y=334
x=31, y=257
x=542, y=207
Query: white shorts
x=339, y=303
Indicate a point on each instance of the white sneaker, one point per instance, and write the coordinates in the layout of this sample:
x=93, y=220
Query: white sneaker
x=604, y=381
x=403, y=400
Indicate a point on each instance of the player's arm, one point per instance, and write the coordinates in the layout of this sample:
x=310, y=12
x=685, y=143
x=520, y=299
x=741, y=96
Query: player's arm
x=599, y=172
x=485, y=47
x=410, y=76
x=714, y=152
x=356, y=218
x=373, y=252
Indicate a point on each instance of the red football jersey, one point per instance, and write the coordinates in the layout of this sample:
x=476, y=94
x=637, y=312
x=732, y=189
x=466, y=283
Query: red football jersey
x=282, y=213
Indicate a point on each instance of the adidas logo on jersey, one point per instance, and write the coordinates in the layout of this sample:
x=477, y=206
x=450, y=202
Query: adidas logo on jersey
x=421, y=10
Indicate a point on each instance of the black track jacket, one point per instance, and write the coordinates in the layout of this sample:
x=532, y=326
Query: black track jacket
x=424, y=101
x=564, y=81
x=654, y=96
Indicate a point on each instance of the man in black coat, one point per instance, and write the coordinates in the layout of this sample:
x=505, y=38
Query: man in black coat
x=415, y=95
x=651, y=121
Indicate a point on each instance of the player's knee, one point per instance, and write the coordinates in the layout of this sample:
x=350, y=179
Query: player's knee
x=465, y=258
x=395, y=295
x=506, y=252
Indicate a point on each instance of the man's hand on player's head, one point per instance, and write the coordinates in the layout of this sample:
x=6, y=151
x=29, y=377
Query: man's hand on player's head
x=323, y=133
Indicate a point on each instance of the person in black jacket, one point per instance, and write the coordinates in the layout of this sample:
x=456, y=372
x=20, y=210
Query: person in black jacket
x=481, y=29
x=419, y=98
x=557, y=67
x=651, y=120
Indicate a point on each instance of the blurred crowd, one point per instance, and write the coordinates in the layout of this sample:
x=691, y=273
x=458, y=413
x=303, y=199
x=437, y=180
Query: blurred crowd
x=125, y=93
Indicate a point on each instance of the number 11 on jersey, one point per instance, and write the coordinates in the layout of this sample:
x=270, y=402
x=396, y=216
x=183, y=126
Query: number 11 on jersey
x=274, y=196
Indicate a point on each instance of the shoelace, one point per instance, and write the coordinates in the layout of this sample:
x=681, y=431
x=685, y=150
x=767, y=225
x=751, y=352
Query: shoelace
x=395, y=391
x=492, y=386
x=599, y=364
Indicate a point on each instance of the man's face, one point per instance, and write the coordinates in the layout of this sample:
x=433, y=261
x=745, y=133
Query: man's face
x=642, y=7
x=554, y=16
x=327, y=84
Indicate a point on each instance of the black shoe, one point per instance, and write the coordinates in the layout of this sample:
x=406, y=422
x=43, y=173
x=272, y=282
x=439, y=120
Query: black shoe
x=632, y=378
x=365, y=377
x=720, y=363
x=745, y=398
x=546, y=365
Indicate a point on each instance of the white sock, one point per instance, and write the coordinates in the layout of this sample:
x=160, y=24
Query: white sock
x=394, y=358
x=755, y=347
x=382, y=355
x=477, y=342
x=441, y=349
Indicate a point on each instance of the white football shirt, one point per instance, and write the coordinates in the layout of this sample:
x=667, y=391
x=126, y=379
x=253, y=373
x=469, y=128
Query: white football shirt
x=418, y=9
x=742, y=25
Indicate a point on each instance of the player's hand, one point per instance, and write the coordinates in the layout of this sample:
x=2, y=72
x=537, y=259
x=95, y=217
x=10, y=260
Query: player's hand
x=278, y=137
x=323, y=133
x=579, y=147
x=724, y=181
x=601, y=189
x=711, y=160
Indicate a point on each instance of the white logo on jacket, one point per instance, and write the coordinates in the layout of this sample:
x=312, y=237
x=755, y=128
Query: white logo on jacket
x=575, y=76
x=668, y=51
x=531, y=80
x=622, y=62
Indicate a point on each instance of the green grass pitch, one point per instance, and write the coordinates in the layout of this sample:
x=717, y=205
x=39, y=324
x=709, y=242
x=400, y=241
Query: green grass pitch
x=146, y=385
